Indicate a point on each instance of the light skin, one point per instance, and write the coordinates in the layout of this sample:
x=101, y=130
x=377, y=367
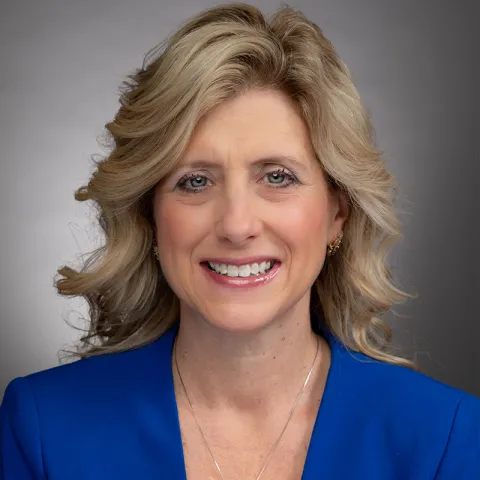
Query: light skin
x=253, y=188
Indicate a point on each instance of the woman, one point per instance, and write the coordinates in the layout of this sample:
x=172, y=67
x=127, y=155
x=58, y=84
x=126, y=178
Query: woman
x=234, y=306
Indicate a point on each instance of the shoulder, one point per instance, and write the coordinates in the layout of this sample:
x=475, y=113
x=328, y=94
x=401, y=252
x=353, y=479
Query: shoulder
x=401, y=386
x=92, y=372
x=420, y=415
x=89, y=382
x=94, y=408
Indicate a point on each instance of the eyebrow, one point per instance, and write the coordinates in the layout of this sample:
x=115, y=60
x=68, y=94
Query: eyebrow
x=268, y=160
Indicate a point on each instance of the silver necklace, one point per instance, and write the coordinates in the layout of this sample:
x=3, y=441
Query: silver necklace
x=281, y=434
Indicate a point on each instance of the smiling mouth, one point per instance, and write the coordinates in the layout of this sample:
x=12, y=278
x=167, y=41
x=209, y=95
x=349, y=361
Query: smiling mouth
x=243, y=271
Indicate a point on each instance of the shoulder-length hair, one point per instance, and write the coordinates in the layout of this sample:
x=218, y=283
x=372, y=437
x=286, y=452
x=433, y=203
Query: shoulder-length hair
x=213, y=57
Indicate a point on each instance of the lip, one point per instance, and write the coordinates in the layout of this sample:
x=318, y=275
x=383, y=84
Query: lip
x=239, y=261
x=253, y=281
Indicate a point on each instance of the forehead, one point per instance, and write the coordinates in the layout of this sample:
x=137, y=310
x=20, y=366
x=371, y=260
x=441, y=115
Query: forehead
x=253, y=125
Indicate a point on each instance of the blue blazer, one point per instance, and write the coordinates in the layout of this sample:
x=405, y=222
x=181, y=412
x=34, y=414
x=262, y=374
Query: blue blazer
x=115, y=417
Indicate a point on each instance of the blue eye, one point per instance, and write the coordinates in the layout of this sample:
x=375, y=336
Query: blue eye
x=281, y=178
x=196, y=183
x=193, y=183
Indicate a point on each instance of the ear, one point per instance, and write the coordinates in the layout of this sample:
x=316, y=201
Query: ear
x=339, y=212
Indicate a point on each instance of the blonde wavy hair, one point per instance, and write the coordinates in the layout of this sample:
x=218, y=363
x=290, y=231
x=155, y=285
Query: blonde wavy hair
x=216, y=55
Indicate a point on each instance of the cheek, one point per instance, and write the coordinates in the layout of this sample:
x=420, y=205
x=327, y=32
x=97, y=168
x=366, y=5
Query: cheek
x=304, y=224
x=178, y=227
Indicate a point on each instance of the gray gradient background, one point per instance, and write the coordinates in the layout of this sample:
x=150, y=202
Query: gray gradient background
x=61, y=62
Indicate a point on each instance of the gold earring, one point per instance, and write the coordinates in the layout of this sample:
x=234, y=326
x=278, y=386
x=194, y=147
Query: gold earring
x=155, y=252
x=335, y=245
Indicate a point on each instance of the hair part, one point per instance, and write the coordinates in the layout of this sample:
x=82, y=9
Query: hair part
x=213, y=57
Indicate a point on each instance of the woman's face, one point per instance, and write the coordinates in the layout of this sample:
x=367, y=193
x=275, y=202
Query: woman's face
x=243, y=223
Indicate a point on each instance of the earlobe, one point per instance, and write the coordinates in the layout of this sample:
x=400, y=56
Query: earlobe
x=338, y=222
x=335, y=245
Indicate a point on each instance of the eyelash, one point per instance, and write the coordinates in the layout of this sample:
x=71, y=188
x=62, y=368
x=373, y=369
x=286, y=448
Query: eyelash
x=182, y=183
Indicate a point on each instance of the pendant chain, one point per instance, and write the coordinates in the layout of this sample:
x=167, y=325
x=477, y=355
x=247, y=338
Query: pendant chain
x=281, y=434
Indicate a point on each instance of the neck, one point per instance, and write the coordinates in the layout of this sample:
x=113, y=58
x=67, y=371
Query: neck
x=250, y=372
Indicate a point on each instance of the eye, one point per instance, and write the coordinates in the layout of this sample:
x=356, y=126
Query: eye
x=281, y=178
x=193, y=183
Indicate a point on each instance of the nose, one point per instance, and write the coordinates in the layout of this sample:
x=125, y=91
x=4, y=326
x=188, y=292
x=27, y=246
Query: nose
x=238, y=222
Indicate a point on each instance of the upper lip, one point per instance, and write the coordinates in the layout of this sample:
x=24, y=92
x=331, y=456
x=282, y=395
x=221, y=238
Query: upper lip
x=239, y=261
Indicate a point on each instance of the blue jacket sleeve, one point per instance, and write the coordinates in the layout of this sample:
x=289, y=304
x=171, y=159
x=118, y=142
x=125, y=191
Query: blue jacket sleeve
x=20, y=446
x=461, y=459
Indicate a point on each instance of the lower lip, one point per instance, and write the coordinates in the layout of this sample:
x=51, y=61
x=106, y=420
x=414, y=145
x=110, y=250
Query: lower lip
x=243, y=282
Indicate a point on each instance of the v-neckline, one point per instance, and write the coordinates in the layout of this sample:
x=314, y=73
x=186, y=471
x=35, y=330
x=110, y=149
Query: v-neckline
x=324, y=422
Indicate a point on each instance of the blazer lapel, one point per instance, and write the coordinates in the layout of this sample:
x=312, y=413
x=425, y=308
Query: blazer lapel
x=168, y=427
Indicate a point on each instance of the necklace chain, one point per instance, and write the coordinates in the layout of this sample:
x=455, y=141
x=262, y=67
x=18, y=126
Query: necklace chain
x=282, y=432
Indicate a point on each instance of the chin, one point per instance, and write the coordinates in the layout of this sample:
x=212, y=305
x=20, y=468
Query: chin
x=239, y=318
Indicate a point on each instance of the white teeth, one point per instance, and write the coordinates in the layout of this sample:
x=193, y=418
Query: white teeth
x=241, y=270
x=232, y=271
x=244, y=271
